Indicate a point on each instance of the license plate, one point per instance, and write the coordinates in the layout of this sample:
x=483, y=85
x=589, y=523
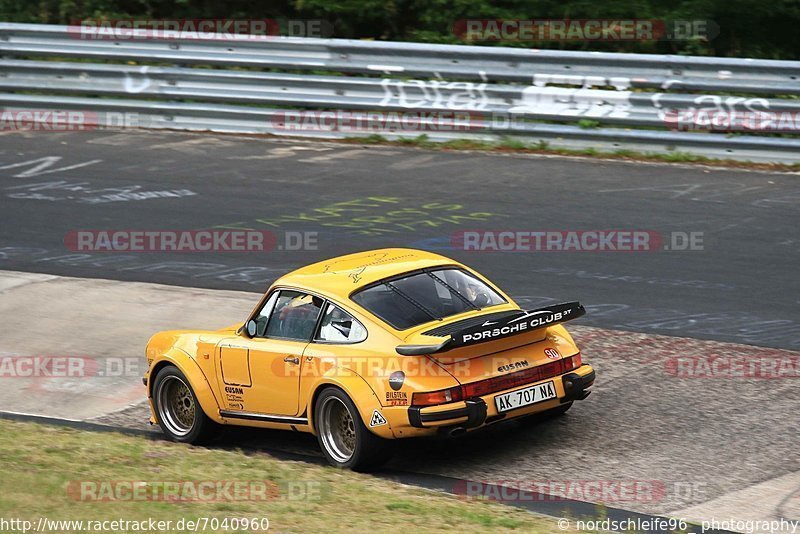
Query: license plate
x=525, y=397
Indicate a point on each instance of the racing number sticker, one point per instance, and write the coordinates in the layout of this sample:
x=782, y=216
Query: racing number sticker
x=552, y=354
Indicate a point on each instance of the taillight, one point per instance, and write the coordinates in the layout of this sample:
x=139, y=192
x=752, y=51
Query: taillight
x=476, y=389
x=442, y=396
x=498, y=383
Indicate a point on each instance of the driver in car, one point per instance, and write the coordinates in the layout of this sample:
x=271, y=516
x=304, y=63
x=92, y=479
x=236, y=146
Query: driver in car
x=477, y=297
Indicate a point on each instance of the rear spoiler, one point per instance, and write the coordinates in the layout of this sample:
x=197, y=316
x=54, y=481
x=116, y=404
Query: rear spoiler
x=490, y=330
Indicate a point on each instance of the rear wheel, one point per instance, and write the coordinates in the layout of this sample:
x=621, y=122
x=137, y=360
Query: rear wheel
x=344, y=439
x=179, y=414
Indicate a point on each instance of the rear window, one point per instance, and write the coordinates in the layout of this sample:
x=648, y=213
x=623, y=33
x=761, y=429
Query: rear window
x=426, y=296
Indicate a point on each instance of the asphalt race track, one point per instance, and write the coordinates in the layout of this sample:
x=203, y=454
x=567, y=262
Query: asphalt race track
x=703, y=441
x=741, y=287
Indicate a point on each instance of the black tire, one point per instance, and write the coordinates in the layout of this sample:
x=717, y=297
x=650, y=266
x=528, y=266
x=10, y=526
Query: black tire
x=356, y=447
x=179, y=414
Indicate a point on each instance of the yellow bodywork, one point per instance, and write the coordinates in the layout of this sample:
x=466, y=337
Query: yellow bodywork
x=261, y=379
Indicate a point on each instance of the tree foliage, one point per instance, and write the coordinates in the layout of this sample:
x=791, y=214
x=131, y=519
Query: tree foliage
x=747, y=28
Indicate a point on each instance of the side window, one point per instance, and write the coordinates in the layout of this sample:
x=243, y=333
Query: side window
x=294, y=316
x=263, y=316
x=339, y=326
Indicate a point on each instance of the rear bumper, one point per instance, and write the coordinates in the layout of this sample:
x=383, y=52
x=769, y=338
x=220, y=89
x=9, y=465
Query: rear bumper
x=576, y=386
x=478, y=411
x=474, y=411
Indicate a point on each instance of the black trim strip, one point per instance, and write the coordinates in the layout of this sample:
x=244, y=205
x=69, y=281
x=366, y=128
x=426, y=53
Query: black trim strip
x=251, y=416
x=474, y=411
x=444, y=416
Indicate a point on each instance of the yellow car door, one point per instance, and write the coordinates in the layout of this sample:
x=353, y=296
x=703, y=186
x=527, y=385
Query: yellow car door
x=261, y=374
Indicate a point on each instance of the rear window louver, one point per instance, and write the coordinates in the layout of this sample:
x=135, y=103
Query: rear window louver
x=451, y=328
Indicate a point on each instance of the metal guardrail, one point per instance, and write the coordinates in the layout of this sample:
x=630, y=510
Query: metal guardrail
x=540, y=103
x=193, y=92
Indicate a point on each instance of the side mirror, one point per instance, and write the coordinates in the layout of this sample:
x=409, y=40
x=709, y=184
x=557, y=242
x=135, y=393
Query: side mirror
x=250, y=328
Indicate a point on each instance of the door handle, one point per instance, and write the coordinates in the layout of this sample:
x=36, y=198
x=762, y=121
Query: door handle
x=291, y=359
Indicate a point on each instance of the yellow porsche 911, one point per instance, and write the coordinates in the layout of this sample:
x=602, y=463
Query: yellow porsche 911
x=365, y=348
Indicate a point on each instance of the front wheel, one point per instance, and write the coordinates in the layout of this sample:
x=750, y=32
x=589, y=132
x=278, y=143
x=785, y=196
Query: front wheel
x=179, y=414
x=344, y=439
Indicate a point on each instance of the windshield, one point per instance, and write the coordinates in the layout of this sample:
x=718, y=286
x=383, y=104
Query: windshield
x=426, y=296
